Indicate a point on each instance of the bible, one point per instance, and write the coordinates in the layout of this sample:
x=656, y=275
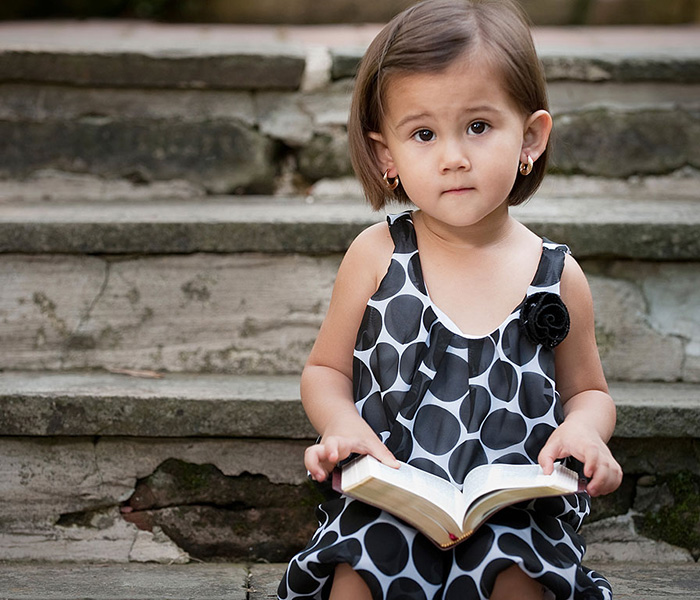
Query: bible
x=436, y=507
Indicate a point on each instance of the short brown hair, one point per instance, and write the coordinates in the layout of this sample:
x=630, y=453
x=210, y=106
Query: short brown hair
x=429, y=36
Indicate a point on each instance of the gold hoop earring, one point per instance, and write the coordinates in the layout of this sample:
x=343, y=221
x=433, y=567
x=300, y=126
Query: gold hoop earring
x=391, y=184
x=526, y=168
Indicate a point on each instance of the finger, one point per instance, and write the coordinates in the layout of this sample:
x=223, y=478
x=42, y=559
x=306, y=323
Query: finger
x=312, y=462
x=332, y=449
x=317, y=463
x=384, y=455
x=591, y=461
x=549, y=453
x=608, y=479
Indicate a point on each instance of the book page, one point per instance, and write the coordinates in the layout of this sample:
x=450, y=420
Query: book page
x=434, y=489
x=486, y=479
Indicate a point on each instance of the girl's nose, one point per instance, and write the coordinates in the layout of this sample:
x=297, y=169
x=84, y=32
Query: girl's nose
x=454, y=156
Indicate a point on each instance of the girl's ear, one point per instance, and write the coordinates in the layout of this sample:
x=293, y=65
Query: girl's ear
x=382, y=154
x=538, y=126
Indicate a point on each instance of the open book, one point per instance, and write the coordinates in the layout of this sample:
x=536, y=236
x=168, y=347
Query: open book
x=436, y=507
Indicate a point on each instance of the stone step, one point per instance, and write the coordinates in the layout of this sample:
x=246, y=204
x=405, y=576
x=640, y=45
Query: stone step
x=106, y=404
x=153, y=104
x=224, y=285
x=126, y=53
x=235, y=581
x=639, y=228
x=119, y=468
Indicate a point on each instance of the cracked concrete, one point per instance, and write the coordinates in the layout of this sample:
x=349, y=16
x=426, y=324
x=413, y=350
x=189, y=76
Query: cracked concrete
x=251, y=313
x=162, y=313
x=45, y=481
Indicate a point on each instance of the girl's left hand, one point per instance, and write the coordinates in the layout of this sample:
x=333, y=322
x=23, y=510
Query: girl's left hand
x=586, y=445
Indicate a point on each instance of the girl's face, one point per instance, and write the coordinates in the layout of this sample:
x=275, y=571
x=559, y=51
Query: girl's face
x=456, y=139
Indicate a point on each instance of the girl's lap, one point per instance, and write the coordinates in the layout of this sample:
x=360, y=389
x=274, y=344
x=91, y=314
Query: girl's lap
x=396, y=561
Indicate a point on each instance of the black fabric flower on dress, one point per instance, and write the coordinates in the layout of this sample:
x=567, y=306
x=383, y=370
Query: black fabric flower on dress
x=545, y=319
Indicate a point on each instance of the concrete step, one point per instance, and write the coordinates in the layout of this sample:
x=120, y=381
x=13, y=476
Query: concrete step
x=628, y=227
x=106, y=404
x=152, y=104
x=235, y=581
x=241, y=285
x=125, y=468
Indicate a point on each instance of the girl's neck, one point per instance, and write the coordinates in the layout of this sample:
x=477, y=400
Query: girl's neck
x=489, y=232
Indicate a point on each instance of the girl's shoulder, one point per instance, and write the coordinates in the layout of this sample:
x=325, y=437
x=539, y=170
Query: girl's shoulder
x=372, y=242
x=369, y=255
x=574, y=284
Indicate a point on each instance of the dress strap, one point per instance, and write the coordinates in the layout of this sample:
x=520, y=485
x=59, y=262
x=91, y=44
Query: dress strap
x=402, y=232
x=551, y=266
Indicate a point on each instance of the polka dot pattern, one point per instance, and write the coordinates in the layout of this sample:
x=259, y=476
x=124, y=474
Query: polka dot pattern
x=446, y=402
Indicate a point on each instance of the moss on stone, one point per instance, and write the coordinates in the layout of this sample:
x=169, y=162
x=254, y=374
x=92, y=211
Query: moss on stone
x=679, y=523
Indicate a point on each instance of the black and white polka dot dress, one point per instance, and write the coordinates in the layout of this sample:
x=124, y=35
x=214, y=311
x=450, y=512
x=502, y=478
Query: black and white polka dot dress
x=447, y=402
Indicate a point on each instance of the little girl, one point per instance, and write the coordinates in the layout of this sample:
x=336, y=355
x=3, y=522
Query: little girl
x=449, y=324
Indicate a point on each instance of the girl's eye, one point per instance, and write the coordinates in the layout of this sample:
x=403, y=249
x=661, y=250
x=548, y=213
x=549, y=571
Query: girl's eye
x=478, y=127
x=424, y=135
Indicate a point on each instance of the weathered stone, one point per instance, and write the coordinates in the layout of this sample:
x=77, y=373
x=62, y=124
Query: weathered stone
x=61, y=496
x=630, y=348
x=584, y=66
x=176, y=405
x=51, y=185
x=104, y=537
x=595, y=220
x=617, y=503
x=653, y=410
x=617, y=539
x=673, y=295
x=222, y=156
x=652, y=499
x=281, y=116
x=657, y=456
x=207, y=532
x=244, y=68
x=176, y=483
x=679, y=69
x=572, y=96
x=37, y=103
x=264, y=580
x=621, y=144
x=220, y=225
x=155, y=546
x=45, y=478
x=122, y=461
x=671, y=512
x=326, y=155
x=54, y=580
x=211, y=515
x=345, y=62
x=329, y=107
x=235, y=313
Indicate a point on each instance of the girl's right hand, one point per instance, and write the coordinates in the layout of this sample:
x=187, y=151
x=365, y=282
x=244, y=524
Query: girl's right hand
x=320, y=459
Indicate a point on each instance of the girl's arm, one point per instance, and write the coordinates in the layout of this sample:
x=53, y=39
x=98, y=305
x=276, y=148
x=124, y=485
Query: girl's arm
x=588, y=408
x=326, y=382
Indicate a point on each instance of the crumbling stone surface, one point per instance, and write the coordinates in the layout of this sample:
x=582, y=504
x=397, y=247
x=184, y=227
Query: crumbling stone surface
x=211, y=515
